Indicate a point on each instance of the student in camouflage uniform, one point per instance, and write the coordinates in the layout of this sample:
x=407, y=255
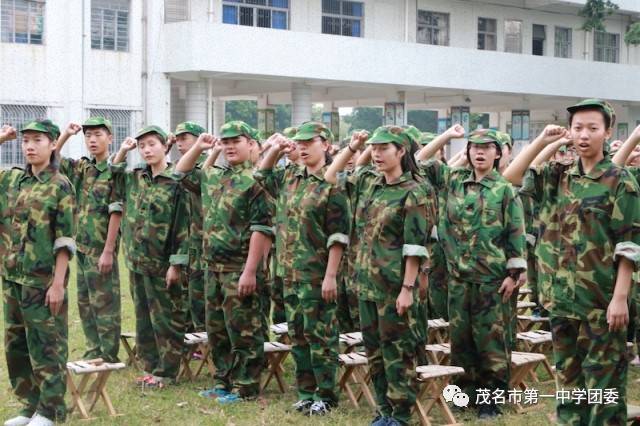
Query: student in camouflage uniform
x=397, y=211
x=186, y=134
x=317, y=228
x=236, y=230
x=156, y=224
x=99, y=212
x=35, y=276
x=589, y=246
x=483, y=234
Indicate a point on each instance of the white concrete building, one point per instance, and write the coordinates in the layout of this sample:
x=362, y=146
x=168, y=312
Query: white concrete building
x=163, y=61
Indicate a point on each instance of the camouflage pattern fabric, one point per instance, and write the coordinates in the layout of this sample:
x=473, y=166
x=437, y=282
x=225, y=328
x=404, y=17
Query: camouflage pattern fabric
x=390, y=342
x=36, y=350
x=98, y=295
x=314, y=336
x=7, y=180
x=234, y=331
x=160, y=324
x=438, y=284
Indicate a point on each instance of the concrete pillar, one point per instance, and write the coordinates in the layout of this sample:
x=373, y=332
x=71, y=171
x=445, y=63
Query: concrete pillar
x=218, y=115
x=196, y=102
x=300, y=103
x=395, y=110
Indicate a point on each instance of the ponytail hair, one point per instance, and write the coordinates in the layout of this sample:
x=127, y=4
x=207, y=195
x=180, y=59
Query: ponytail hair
x=408, y=161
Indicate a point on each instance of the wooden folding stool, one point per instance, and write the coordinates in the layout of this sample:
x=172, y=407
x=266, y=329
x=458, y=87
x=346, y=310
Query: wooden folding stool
x=92, y=386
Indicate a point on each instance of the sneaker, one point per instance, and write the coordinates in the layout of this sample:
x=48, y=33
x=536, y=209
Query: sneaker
x=39, y=420
x=214, y=393
x=230, y=398
x=302, y=405
x=488, y=411
x=197, y=356
x=18, y=421
x=156, y=382
x=320, y=408
x=380, y=420
x=635, y=362
x=143, y=379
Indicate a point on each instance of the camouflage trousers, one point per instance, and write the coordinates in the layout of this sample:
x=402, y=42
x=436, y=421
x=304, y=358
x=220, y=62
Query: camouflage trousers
x=438, y=285
x=196, y=298
x=278, y=311
x=532, y=274
x=588, y=356
x=263, y=283
x=99, y=308
x=348, y=306
x=511, y=321
x=160, y=324
x=234, y=326
x=35, y=344
x=390, y=342
x=478, y=336
x=421, y=302
x=314, y=336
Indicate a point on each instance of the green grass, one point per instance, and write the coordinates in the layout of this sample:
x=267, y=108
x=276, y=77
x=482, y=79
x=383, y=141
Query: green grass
x=181, y=404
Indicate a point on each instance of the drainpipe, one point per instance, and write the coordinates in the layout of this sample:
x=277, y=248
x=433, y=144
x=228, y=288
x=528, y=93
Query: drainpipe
x=145, y=75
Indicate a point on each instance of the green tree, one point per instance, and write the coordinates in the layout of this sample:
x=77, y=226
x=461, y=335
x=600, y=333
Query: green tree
x=364, y=118
x=478, y=120
x=246, y=111
x=426, y=121
x=283, y=117
x=595, y=12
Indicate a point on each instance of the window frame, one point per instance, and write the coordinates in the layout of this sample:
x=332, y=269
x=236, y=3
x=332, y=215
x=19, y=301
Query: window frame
x=606, y=48
x=569, y=42
x=237, y=4
x=187, y=12
x=507, y=35
x=544, y=40
x=342, y=18
x=485, y=33
x=117, y=39
x=35, y=10
x=431, y=28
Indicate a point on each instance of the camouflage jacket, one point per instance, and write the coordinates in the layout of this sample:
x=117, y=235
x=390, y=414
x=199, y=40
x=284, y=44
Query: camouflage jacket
x=395, y=220
x=96, y=200
x=318, y=217
x=156, y=219
x=41, y=210
x=7, y=180
x=587, y=221
x=195, y=227
x=481, y=225
x=234, y=207
x=280, y=226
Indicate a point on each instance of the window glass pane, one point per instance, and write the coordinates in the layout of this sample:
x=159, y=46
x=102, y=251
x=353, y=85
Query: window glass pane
x=264, y=18
x=513, y=36
x=246, y=16
x=330, y=25
x=229, y=14
x=331, y=6
x=279, y=20
x=123, y=31
x=279, y=3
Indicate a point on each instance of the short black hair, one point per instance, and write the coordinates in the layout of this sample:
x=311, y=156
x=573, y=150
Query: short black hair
x=605, y=116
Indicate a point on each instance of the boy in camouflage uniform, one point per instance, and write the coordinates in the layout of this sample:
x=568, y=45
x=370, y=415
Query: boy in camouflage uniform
x=236, y=230
x=317, y=229
x=98, y=213
x=35, y=275
x=186, y=135
x=156, y=225
x=483, y=235
x=589, y=246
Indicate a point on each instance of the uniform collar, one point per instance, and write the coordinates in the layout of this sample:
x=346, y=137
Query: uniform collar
x=380, y=180
x=488, y=181
x=168, y=172
x=238, y=168
x=100, y=165
x=42, y=177
x=302, y=172
x=596, y=173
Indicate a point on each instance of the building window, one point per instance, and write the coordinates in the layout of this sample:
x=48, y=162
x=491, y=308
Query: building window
x=513, y=36
x=342, y=17
x=539, y=38
x=520, y=125
x=563, y=42
x=176, y=10
x=22, y=21
x=257, y=13
x=110, y=25
x=487, y=36
x=606, y=47
x=121, y=123
x=17, y=116
x=433, y=28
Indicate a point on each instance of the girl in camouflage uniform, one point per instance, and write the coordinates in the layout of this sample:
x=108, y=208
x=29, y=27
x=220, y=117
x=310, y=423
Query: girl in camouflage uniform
x=40, y=243
x=314, y=237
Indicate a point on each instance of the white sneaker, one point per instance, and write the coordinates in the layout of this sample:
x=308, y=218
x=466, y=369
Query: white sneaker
x=18, y=421
x=39, y=420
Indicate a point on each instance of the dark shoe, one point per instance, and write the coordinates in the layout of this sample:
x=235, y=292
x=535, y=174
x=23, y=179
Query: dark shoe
x=303, y=405
x=488, y=411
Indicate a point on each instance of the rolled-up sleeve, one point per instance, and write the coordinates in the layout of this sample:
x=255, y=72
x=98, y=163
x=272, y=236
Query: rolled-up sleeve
x=65, y=224
x=338, y=218
x=416, y=228
x=625, y=220
x=260, y=219
x=515, y=249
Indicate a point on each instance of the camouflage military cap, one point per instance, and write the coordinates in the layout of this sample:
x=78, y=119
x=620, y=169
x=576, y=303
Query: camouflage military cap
x=93, y=122
x=256, y=135
x=412, y=133
x=290, y=132
x=152, y=129
x=236, y=128
x=504, y=139
x=606, y=107
x=189, y=127
x=389, y=134
x=484, y=136
x=47, y=127
x=311, y=129
x=427, y=137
